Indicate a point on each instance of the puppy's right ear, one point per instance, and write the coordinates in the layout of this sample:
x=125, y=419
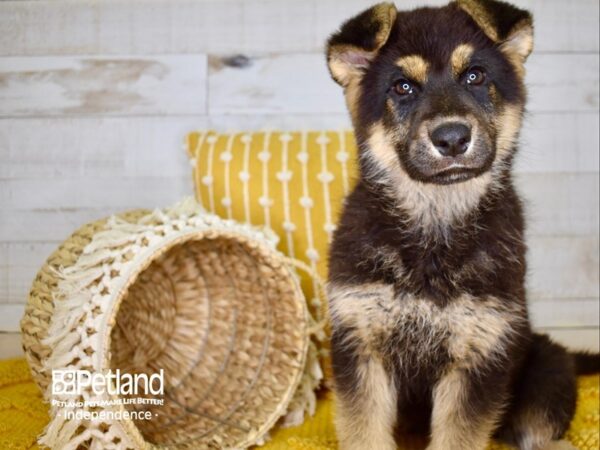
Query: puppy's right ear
x=353, y=47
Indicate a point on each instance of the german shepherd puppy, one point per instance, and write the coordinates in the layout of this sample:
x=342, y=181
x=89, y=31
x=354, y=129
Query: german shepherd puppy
x=430, y=330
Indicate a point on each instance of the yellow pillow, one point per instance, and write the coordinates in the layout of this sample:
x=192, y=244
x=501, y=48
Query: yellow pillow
x=292, y=182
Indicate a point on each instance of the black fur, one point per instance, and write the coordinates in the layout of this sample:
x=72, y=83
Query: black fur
x=505, y=16
x=546, y=383
x=496, y=227
x=377, y=234
x=586, y=363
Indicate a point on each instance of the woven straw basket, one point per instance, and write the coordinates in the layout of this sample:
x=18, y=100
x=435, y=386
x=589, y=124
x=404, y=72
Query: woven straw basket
x=210, y=302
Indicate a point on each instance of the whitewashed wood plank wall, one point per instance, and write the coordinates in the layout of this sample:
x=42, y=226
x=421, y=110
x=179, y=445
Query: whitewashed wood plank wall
x=96, y=97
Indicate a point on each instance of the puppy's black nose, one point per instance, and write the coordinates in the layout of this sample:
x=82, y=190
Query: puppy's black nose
x=451, y=139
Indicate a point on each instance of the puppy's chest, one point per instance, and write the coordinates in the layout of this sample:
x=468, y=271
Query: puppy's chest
x=416, y=331
x=440, y=273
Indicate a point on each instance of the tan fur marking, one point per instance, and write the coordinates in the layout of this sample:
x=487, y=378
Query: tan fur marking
x=460, y=59
x=477, y=11
x=508, y=125
x=351, y=94
x=340, y=65
x=537, y=433
x=348, y=307
x=414, y=67
x=385, y=14
x=381, y=148
x=475, y=331
x=449, y=429
x=342, y=71
x=477, y=328
x=368, y=420
x=429, y=205
x=493, y=93
x=520, y=40
x=518, y=47
x=559, y=445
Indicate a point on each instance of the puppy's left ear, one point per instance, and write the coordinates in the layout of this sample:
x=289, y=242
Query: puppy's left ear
x=351, y=49
x=505, y=24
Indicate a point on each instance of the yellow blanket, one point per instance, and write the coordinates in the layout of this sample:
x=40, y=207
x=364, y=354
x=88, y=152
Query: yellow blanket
x=23, y=416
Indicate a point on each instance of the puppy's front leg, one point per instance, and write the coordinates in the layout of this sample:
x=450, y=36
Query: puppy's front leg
x=466, y=408
x=365, y=394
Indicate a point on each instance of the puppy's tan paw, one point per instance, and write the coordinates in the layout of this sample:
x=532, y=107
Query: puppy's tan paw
x=560, y=445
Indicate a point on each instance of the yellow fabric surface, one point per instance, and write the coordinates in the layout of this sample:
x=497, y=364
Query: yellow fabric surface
x=23, y=416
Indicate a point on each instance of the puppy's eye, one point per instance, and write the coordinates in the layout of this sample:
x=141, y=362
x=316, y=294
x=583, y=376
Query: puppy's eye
x=404, y=87
x=475, y=76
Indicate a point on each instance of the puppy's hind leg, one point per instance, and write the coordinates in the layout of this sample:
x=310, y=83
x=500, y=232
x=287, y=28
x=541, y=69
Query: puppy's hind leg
x=544, y=400
x=365, y=397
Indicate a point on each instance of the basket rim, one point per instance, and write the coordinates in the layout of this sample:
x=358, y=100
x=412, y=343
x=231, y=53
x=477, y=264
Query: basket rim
x=143, y=260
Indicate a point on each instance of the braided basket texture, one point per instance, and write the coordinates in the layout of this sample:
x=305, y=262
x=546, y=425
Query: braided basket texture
x=209, y=302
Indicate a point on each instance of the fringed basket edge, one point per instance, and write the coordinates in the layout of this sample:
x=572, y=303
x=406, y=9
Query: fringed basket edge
x=176, y=223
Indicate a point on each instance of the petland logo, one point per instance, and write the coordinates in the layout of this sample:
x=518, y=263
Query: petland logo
x=75, y=382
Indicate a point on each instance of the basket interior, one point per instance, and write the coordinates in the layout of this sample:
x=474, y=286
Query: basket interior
x=222, y=319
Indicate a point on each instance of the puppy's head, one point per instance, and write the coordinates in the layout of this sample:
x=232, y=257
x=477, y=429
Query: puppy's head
x=436, y=94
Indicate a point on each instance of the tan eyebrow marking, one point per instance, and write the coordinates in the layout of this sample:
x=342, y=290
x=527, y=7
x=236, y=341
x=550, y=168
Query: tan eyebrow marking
x=415, y=67
x=460, y=58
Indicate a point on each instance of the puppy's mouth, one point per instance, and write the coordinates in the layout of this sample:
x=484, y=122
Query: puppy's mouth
x=454, y=174
x=422, y=164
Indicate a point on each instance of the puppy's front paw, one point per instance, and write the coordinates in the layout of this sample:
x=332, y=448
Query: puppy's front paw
x=559, y=445
x=360, y=443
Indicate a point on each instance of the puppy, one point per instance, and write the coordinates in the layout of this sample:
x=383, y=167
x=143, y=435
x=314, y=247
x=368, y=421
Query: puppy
x=430, y=330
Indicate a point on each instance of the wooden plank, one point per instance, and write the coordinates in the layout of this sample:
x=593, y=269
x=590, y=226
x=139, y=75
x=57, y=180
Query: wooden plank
x=46, y=225
x=565, y=313
x=559, y=142
x=102, y=85
x=152, y=146
x=576, y=338
x=234, y=26
x=27, y=254
x=48, y=194
x=300, y=83
x=18, y=283
x=4, y=276
x=123, y=146
x=560, y=203
x=19, y=266
x=10, y=316
x=563, y=267
x=563, y=82
x=61, y=205
x=10, y=345
x=92, y=146
x=278, y=84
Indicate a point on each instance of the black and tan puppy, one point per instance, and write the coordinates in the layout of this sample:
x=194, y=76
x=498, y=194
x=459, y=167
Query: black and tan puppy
x=427, y=269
